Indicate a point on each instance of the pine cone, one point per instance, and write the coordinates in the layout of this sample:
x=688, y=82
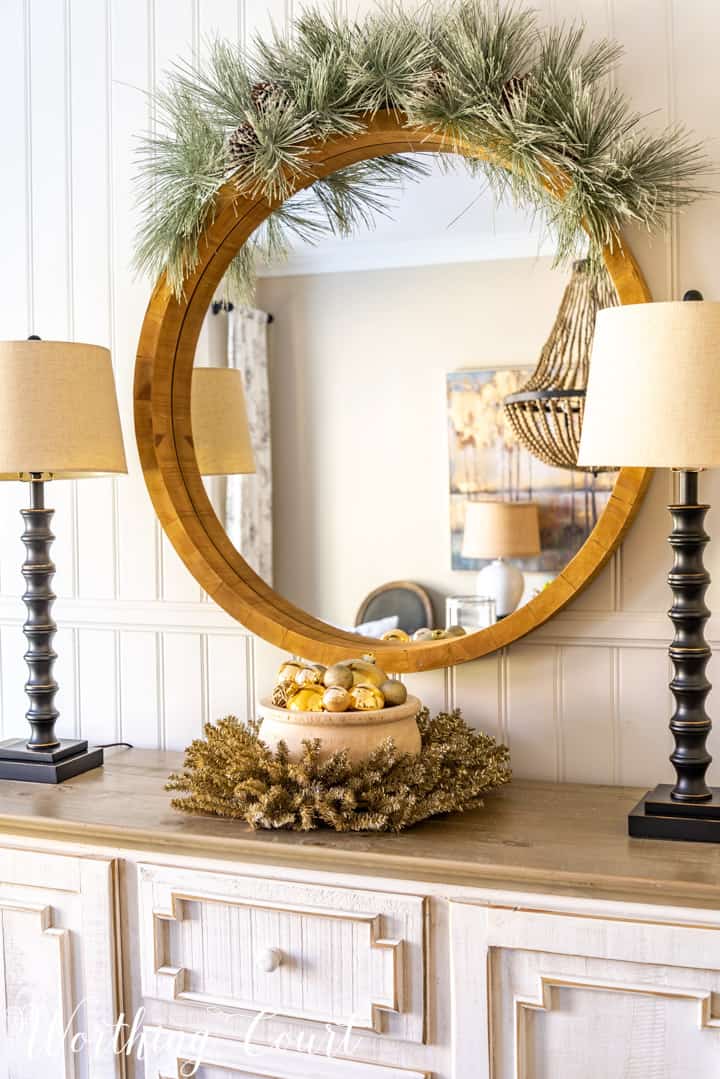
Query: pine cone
x=244, y=136
x=264, y=92
x=437, y=79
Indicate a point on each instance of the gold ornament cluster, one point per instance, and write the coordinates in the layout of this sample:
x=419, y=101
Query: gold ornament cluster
x=232, y=773
x=351, y=685
x=427, y=634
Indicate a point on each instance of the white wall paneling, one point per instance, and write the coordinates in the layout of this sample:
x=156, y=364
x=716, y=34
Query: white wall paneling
x=142, y=656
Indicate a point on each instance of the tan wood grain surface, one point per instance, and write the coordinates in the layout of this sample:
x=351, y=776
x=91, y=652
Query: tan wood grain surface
x=163, y=375
x=546, y=837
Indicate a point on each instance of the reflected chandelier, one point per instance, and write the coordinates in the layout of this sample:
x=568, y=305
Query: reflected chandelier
x=546, y=415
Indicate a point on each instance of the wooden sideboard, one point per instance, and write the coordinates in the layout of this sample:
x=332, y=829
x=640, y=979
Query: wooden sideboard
x=528, y=940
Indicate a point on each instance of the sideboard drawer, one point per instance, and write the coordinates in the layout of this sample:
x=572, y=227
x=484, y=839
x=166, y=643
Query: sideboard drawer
x=224, y=1058
x=302, y=951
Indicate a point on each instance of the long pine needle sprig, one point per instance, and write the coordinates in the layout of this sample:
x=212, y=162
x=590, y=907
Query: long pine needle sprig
x=536, y=102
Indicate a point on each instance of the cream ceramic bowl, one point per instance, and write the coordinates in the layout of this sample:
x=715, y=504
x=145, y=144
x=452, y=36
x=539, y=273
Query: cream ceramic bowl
x=358, y=732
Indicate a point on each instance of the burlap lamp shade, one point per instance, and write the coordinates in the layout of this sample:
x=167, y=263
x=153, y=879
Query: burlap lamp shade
x=58, y=411
x=219, y=422
x=653, y=394
x=496, y=529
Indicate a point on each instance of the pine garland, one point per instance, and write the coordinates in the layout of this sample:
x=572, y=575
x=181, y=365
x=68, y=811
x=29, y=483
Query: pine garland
x=232, y=773
x=474, y=70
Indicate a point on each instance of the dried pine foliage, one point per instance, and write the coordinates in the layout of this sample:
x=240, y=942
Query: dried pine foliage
x=537, y=98
x=232, y=773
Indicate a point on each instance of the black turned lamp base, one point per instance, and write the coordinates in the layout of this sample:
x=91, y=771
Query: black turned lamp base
x=657, y=816
x=71, y=758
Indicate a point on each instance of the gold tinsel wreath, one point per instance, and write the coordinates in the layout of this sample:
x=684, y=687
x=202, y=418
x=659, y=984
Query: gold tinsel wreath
x=232, y=773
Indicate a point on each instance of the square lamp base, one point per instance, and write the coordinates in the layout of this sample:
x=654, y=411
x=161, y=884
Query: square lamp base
x=71, y=758
x=657, y=816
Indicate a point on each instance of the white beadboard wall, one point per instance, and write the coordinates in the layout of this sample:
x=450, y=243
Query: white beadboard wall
x=143, y=656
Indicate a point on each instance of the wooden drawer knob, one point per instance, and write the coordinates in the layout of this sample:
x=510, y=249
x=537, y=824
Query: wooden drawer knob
x=270, y=959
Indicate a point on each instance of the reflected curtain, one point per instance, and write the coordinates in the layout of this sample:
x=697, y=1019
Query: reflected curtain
x=248, y=499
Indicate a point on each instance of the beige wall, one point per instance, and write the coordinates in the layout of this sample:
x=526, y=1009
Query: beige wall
x=142, y=655
x=360, y=465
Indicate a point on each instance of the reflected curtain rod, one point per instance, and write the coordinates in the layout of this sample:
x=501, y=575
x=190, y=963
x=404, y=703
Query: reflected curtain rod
x=227, y=305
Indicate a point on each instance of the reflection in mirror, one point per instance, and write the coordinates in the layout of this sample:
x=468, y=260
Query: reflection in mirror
x=390, y=490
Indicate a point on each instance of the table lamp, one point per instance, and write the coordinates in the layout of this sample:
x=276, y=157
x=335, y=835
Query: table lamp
x=58, y=420
x=653, y=400
x=501, y=530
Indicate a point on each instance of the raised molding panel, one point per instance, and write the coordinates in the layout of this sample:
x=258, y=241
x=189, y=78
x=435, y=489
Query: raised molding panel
x=623, y=1015
x=222, y=1058
x=320, y=954
x=35, y=983
x=74, y=77
x=60, y=994
x=533, y=989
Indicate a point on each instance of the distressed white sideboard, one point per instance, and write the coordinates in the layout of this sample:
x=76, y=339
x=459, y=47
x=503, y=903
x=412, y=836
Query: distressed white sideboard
x=528, y=940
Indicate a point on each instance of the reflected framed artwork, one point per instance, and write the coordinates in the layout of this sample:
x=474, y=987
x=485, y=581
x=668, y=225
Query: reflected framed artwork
x=486, y=461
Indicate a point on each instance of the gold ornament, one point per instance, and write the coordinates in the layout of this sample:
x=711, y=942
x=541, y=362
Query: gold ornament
x=438, y=634
x=336, y=699
x=456, y=631
x=395, y=635
x=281, y=694
x=338, y=675
x=307, y=699
x=288, y=672
x=364, y=671
x=393, y=692
x=307, y=676
x=366, y=697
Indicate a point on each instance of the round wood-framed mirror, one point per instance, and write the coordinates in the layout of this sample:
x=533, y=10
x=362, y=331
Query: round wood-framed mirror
x=163, y=377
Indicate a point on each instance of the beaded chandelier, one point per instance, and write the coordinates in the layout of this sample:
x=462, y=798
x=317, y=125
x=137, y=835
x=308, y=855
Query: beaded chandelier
x=546, y=415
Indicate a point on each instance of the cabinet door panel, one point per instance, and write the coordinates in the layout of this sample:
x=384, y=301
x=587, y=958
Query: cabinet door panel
x=59, y=983
x=541, y=995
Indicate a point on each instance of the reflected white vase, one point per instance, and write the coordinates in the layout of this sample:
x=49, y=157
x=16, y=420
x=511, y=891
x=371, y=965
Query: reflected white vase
x=504, y=583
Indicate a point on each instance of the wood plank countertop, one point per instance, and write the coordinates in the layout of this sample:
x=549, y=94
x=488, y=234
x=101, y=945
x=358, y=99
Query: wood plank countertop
x=542, y=837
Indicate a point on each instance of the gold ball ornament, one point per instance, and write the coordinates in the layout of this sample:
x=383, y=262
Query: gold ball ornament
x=456, y=631
x=438, y=635
x=395, y=635
x=338, y=675
x=308, y=676
x=288, y=672
x=306, y=699
x=393, y=692
x=365, y=671
x=336, y=699
x=366, y=697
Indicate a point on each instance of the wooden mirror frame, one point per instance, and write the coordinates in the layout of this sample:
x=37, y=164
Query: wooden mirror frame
x=163, y=375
